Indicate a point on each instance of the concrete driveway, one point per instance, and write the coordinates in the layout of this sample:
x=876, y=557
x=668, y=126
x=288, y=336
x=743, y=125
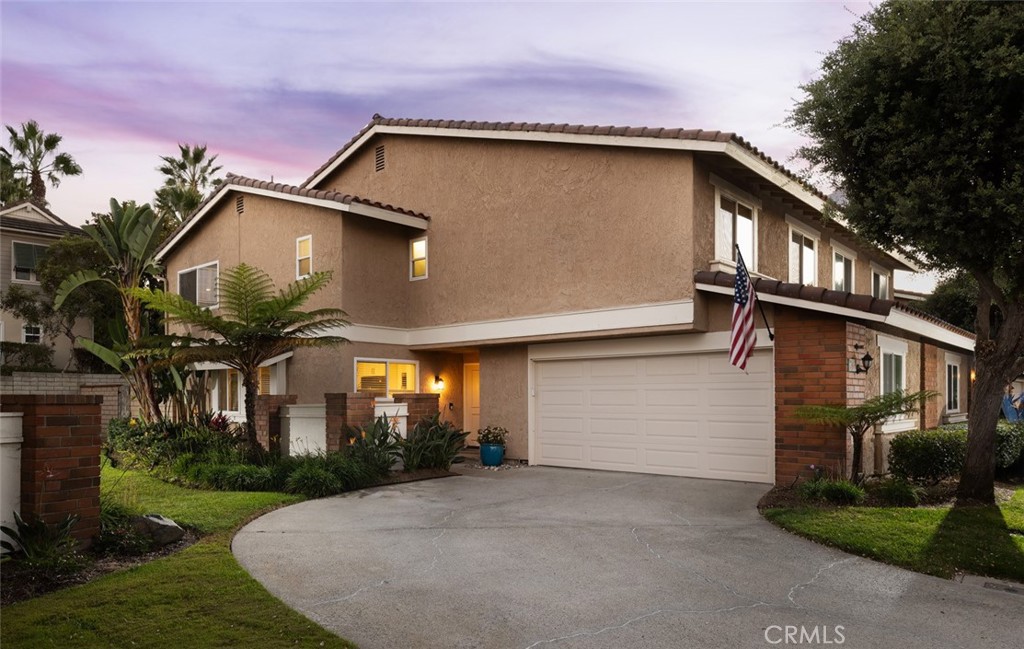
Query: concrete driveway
x=560, y=558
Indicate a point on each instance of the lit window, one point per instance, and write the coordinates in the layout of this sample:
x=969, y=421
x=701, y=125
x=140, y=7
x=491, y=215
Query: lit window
x=880, y=285
x=734, y=226
x=842, y=273
x=385, y=378
x=32, y=334
x=952, y=387
x=303, y=257
x=803, y=259
x=199, y=285
x=418, y=258
x=26, y=260
x=263, y=386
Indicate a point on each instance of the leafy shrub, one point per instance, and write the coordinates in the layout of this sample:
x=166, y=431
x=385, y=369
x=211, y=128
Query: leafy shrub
x=248, y=477
x=377, y=446
x=26, y=356
x=162, y=443
x=1009, y=444
x=432, y=444
x=43, y=547
x=313, y=480
x=351, y=472
x=928, y=456
x=898, y=493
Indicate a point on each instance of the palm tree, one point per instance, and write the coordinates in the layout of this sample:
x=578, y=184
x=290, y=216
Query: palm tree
x=187, y=179
x=38, y=158
x=255, y=322
x=129, y=237
x=13, y=186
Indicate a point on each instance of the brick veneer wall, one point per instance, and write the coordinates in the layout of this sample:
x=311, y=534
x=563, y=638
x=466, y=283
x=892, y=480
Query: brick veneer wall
x=421, y=405
x=268, y=419
x=343, y=410
x=931, y=371
x=810, y=369
x=60, y=458
x=113, y=389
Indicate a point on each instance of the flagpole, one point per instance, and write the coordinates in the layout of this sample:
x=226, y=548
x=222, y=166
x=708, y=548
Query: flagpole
x=739, y=258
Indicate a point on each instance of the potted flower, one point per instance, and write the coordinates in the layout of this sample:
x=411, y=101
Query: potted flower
x=492, y=445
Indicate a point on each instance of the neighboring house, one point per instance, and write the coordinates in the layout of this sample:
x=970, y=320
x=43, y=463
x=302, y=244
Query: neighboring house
x=574, y=284
x=26, y=230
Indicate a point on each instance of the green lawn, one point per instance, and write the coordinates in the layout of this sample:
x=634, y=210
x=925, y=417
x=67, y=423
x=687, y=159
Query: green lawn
x=986, y=541
x=199, y=597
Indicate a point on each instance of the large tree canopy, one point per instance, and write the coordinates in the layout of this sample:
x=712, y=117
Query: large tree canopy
x=918, y=118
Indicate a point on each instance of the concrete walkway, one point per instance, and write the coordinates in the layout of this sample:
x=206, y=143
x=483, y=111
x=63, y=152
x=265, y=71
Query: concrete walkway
x=539, y=557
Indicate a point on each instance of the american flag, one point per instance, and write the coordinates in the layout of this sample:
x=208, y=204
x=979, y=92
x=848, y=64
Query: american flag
x=743, y=338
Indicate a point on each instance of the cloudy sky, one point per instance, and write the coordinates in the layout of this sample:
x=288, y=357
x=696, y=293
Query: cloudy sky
x=275, y=88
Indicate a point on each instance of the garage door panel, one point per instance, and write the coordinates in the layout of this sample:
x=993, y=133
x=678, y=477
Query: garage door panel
x=689, y=415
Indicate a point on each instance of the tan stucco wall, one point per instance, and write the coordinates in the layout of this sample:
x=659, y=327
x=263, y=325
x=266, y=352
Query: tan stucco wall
x=503, y=398
x=529, y=228
x=375, y=281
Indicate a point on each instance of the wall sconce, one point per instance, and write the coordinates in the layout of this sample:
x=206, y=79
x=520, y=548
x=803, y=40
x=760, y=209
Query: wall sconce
x=438, y=382
x=863, y=365
x=974, y=375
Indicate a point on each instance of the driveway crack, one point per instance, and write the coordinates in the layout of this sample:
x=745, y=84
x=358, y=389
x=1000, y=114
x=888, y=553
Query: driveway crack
x=821, y=571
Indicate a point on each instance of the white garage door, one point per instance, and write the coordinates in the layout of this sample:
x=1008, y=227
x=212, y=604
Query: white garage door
x=687, y=415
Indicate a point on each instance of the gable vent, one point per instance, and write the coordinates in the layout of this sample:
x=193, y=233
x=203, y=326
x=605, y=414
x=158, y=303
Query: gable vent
x=378, y=159
x=240, y=204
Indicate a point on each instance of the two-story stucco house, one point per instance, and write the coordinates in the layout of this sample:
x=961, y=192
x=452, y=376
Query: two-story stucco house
x=574, y=284
x=26, y=231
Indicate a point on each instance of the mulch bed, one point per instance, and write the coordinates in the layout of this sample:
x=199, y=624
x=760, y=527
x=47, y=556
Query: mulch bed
x=18, y=583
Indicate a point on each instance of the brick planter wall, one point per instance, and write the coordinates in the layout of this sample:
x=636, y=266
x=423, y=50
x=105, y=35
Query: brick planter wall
x=60, y=458
x=421, y=405
x=268, y=419
x=810, y=369
x=343, y=410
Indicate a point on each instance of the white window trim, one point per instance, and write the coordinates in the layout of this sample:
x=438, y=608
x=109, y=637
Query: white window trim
x=181, y=272
x=24, y=334
x=299, y=240
x=953, y=360
x=733, y=193
x=426, y=258
x=810, y=233
x=14, y=279
x=387, y=371
x=839, y=249
x=879, y=270
x=888, y=345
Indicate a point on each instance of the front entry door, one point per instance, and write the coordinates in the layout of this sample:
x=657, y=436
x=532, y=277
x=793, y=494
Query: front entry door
x=471, y=399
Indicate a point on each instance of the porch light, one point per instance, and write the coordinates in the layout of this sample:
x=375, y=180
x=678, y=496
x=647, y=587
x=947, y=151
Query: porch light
x=974, y=375
x=438, y=382
x=864, y=364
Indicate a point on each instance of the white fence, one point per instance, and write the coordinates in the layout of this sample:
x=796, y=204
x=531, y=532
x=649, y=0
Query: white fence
x=10, y=466
x=304, y=427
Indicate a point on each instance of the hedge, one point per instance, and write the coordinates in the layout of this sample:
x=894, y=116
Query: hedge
x=930, y=456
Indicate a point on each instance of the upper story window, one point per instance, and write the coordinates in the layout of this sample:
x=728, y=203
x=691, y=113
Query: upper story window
x=842, y=269
x=32, y=334
x=199, y=285
x=303, y=256
x=384, y=378
x=418, y=258
x=803, y=254
x=26, y=259
x=735, y=223
x=879, y=283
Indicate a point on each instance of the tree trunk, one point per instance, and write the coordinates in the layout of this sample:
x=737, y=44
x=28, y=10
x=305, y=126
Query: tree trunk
x=249, y=383
x=996, y=359
x=858, y=455
x=38, y=187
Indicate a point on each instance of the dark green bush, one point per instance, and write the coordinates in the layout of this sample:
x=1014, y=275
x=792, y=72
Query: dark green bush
x=313, y=480
x=898, y=493
x=841, y=492
x=432, y=444
x=248, y=477
x=928, y=456
x=811, y=490
x=351, y=472
x=162, y=443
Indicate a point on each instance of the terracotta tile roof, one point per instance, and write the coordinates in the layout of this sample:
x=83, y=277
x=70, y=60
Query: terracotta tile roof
x=639, y=132
x=321, y=194
x=855, y=301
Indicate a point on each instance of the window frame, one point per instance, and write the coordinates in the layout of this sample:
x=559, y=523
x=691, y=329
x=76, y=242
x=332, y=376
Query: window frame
x=806, y=232
x=892, y=347
x=387, y=373
x=725, y=189
x=298, y=258
x=847, y=255
x=216, y=283
x=34, y=276
x=952, y=392
x=24, y=334
x=878, y=271
x=413, y=259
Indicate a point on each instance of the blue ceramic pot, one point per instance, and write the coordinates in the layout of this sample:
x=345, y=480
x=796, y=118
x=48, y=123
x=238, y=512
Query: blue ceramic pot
x=491, y=454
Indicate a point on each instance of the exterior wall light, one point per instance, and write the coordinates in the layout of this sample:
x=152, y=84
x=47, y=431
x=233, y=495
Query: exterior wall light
x=438, y=382
x=864, y=364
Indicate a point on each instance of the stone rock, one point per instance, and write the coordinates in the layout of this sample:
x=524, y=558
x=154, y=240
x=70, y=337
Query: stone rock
x=163, y=531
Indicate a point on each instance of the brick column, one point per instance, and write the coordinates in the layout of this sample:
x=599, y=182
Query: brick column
x=268, y=419
x=421, y=405
x=60, y=458
x=931, y=414
x=346, y=409
x=810, y=369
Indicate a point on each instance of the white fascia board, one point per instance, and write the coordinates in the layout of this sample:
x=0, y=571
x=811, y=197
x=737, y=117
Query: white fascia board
x=631, y=317
x=33, y=208
x=896, y=318
x=356, y=146
x=210, y=365
x=382, y=214
x=224, y=189
x=717, y=341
